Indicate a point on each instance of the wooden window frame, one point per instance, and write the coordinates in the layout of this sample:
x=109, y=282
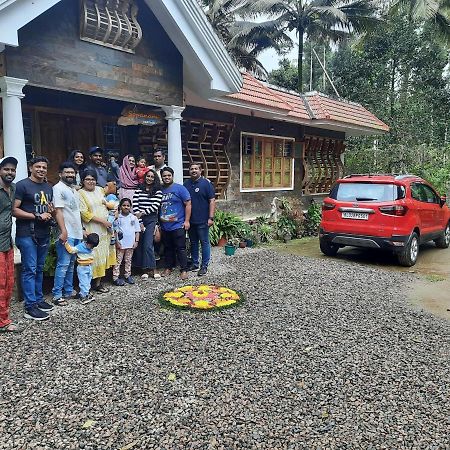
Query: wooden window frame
x=267, y=139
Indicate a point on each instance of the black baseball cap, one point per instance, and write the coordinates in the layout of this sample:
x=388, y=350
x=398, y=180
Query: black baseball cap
x=8, y=160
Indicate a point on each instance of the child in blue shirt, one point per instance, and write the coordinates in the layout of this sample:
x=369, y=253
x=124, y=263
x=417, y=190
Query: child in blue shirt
x=85, y=259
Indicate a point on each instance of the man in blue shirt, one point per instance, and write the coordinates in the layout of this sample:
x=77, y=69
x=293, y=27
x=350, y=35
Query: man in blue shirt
x=203, y=200
x=174, y=218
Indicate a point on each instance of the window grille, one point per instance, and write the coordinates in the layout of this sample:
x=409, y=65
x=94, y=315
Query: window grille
x=111, y=23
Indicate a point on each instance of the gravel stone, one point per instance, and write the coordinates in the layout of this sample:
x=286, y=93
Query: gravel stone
x=323, y=354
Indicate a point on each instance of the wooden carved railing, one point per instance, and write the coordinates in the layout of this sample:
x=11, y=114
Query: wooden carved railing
x=204, y=142
x=322, y=164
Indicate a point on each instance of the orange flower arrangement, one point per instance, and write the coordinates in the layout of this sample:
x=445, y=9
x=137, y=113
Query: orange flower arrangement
x=203, y=297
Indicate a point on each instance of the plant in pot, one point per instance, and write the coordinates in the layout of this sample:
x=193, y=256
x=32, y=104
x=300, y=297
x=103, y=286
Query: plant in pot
x=224, y=227
x=245, y=235
x=231, y=246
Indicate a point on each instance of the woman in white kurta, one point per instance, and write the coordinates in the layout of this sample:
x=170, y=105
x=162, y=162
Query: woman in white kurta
x=94, y=215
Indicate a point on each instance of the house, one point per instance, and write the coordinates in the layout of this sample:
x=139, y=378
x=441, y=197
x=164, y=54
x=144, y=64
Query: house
x=135, y=75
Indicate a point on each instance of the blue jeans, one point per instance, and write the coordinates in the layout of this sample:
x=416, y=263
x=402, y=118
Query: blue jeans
x=84, y=279
x=33, y=254
x=63, y=283
x=200, y=233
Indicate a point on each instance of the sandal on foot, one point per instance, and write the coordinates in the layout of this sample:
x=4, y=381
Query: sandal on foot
x=166, y=273
x=144, y=276
x=157, y=276
x=59, y=301
x=102, y=289
x=10, y=328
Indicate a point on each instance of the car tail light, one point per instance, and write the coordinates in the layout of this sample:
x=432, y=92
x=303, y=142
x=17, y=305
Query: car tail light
x=326, y=206
x=394, y=210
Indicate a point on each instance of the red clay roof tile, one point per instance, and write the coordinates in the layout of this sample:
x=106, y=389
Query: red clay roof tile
x=254, y=91
x=307, y=107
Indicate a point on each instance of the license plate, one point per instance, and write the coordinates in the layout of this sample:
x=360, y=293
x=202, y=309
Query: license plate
x=355, y=215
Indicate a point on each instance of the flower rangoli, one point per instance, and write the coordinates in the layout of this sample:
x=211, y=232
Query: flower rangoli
x=201, y=297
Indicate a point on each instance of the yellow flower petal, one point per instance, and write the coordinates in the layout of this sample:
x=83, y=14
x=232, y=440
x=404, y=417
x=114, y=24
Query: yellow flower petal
x=202, y=304
x=222, y=303
x=178, y=303
x=205, y=287
x=186, y=288
x=200, y=294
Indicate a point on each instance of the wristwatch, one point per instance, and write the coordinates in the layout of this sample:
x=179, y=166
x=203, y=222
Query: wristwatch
x=211, y=218
x=37, y=215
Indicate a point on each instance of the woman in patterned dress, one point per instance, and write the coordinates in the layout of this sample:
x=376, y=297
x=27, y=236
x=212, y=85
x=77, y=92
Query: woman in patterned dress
x=94, y=216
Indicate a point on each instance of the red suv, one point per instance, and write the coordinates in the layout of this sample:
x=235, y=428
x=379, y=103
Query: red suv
x=395, y=213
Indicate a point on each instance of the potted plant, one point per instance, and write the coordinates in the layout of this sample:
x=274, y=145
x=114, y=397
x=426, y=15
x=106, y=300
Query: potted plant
x=231, y=246
x=245, y=235
x=224, y=227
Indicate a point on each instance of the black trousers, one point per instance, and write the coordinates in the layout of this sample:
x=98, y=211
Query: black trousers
x=175, y=245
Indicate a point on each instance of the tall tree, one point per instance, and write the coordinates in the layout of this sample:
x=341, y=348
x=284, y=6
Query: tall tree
x=434, y=12
x=319, y=20
x=244, y=39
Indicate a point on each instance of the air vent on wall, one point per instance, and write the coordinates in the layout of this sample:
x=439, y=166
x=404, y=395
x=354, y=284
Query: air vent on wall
x=111, y=23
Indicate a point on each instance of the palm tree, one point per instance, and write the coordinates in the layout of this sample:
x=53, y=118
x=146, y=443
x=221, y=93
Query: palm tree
x=244, y=39
x=318, y=20
x=435, y=12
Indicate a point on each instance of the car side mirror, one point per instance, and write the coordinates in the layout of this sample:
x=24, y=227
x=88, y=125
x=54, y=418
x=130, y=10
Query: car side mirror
x=443, y=200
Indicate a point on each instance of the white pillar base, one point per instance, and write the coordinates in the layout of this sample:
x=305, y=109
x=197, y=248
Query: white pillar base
x=13, y=136
x=175, y=153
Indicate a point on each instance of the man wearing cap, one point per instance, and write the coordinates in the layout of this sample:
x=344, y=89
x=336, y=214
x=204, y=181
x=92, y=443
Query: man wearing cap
x=66, y=200
x=33, y=210
x=96, y=157
x=8, y=167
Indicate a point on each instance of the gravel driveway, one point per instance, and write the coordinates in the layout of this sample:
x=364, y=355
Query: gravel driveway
x=322, y=355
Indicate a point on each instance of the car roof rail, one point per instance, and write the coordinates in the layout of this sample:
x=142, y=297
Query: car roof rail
x=406, y=175
x=371, y=175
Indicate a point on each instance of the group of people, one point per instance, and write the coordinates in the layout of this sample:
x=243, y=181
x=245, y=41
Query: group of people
x=106, y=216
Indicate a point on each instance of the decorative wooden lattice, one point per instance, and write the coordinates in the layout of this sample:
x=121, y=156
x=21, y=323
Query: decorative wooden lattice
x=204, y=142
x=111, y=23
x=322, y=164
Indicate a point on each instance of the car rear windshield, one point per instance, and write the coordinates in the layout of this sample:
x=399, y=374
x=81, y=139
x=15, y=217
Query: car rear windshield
x=367, y=192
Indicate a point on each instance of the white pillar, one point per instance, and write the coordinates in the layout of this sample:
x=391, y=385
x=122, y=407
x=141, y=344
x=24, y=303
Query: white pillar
x=175, y=153
x=13, y=137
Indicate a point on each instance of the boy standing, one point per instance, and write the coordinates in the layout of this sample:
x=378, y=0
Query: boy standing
x=85, y=259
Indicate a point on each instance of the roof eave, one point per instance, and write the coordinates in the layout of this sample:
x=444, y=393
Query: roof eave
x=348, y=128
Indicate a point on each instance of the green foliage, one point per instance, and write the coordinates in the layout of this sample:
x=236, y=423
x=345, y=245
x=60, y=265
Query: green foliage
x=265, y=232
x=51, y=259
x=286, y=226
x=226, y=225
x=400, y=74
x=312, y=219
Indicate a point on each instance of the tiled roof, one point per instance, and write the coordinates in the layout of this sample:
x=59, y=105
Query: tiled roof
x=311, y=106
x=297, y=103
x=254, y=91
x=326, y=108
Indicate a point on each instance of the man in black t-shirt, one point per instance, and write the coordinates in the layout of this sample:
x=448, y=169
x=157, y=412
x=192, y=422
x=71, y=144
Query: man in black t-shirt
x=33, y=210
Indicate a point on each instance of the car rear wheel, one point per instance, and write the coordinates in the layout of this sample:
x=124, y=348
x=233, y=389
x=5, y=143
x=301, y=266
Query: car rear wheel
x=444, y=240
x=408, y=256
x=327, y=248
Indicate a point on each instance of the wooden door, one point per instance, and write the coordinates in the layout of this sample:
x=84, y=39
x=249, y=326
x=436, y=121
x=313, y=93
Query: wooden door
x=53, y=142
x=60, y=134
x=81, y=133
